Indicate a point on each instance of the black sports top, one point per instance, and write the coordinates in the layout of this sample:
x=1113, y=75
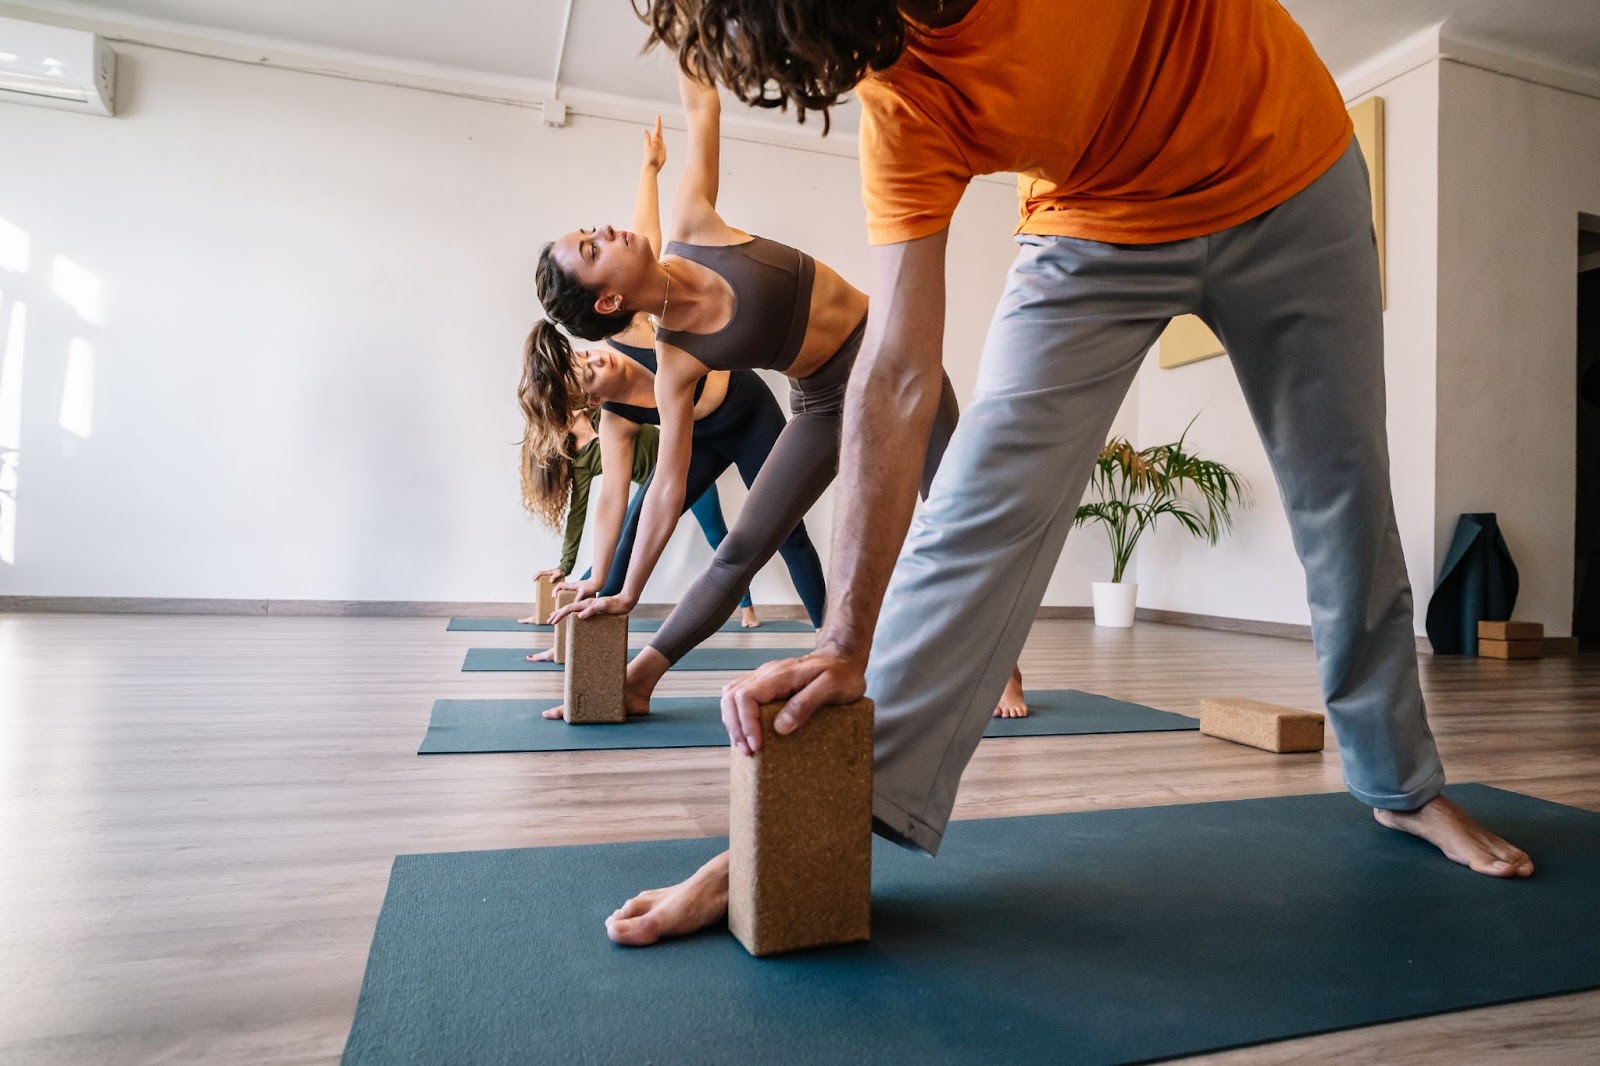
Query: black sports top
x=771, y=285
x=645, y=357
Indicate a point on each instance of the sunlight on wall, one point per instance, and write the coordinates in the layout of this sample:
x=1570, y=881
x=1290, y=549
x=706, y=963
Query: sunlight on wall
x=77, y=393
x=11, y=429
x=11, y=379
x=13, y=248
x=80, y=288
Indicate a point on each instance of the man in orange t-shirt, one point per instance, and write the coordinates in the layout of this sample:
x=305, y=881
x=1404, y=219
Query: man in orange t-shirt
x=1175, y=157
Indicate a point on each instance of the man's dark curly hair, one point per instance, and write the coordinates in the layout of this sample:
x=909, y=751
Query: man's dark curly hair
x=774, y=53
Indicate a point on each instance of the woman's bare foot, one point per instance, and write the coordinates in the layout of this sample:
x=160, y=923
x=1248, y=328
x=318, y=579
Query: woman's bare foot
x=748, y=618
x=684, y=908
x=1453, y=831
x=1012, y=702
x=635, y=693
x=528, y=621
x=548, y=655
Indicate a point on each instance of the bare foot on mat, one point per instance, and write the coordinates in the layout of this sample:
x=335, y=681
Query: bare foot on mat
x=684, y=908
x=1012, y=703
x=1454, y=832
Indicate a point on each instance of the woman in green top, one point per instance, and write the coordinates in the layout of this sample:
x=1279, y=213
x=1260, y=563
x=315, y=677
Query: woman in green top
x=568, y=479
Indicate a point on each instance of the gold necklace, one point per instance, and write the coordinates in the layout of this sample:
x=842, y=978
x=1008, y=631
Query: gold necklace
x=661, y=319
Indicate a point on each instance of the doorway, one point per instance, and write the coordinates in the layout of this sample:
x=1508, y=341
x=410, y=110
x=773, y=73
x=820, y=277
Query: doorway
x=1586, y=560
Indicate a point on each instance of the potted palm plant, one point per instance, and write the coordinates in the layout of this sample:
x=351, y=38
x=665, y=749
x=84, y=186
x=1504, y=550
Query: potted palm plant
x=1133, y=489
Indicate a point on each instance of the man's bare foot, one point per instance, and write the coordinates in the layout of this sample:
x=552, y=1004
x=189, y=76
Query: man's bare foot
x=684, y=908
x=1452, y=830
x=548, y=655
x=633, y=704
x=1012, y=702
x=748, y=618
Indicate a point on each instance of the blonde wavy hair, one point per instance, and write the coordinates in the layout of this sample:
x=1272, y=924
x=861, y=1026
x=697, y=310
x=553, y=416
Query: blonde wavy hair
x=547, y=394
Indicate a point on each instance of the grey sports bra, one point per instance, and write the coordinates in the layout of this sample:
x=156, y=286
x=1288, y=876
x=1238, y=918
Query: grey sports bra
x=771, y=285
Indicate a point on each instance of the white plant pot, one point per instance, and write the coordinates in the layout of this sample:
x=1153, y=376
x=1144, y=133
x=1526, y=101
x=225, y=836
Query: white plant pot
x=1113, y=603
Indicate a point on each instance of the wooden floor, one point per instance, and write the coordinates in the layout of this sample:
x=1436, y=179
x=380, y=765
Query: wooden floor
x=197, y=815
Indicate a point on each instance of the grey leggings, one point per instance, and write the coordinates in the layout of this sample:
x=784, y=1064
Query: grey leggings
x=801, y=465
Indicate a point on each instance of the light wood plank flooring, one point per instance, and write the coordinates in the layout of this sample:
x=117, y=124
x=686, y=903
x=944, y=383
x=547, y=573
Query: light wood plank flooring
x=197, y=815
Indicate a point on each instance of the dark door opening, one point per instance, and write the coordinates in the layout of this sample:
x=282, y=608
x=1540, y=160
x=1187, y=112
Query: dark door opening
x=1586, y=561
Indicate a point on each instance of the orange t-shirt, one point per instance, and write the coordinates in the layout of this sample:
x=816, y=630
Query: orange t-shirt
x=1127, y=121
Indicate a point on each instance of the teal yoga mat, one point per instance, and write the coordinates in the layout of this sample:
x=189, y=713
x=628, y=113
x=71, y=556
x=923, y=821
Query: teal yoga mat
x=516, y=659
x=635, y=625
x=1103, y=937
x=470, y=726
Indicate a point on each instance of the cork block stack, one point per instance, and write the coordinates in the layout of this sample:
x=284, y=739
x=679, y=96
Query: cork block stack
x=597, y=662
x=544, y=602
x=800, y=833
x=1261, y=725
x=563, y=597
x=1510, y=640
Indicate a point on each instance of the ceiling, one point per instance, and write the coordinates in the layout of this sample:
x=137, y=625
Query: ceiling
x=521, y=37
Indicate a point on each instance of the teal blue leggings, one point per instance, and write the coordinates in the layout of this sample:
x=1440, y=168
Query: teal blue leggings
x=708, y=512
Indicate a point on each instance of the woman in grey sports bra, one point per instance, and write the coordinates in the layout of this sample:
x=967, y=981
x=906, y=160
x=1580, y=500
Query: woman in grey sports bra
x=723, y=300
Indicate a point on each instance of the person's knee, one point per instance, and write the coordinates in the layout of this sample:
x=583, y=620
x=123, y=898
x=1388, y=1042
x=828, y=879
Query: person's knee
x=738, y=551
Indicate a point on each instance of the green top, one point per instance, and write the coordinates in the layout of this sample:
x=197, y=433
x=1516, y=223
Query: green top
x=585, y=468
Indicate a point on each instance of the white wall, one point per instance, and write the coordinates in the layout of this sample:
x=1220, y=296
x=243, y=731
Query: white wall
x=1254, y=573
x=1518, y=162
x=302, y=344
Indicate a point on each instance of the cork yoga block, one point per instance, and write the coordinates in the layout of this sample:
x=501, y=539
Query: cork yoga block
x=800, y=833
x=563, y=597
x=544, y=603
x=1510, y=649
x=1261, y=725
x=1510, y=631
x=597, y=665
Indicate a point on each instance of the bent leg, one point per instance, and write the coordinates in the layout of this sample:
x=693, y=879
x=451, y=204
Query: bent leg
x=800, y=465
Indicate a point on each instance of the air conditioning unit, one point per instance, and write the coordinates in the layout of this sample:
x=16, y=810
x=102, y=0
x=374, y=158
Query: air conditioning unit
x=54, y=67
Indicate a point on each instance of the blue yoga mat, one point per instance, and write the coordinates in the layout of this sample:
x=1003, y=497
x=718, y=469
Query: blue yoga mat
x=635, y=625
x=516, y=659
x=1096, y=938
x=466, y=726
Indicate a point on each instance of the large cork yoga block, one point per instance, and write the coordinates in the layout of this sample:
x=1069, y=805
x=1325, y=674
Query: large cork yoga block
x=563, y=597
x=1510, y=649
x=597, y=662
x=544, y=603
x=800, y=833
x=1510, y=630
x=1261, y=725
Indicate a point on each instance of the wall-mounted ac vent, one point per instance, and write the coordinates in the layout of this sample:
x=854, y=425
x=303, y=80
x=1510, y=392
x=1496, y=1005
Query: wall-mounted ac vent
x=53, y=67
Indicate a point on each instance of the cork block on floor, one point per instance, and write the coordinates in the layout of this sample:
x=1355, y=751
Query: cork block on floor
x=1261, y=725
x=563, y=597
x=1510, y=649
x=597, y=662
x=544, y=603
x=1510, y=630
x=800, y=833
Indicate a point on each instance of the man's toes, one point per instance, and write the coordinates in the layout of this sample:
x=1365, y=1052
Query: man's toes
x=634, y=932
x=1516, y=859
x=1493, y=867
x=636, y=906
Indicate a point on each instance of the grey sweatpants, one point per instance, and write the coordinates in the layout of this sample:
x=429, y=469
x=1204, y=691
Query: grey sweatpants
x=1294, y=296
